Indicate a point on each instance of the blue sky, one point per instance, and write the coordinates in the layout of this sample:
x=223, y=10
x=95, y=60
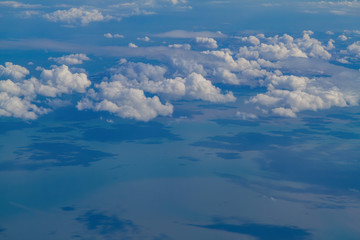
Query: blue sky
x=179, y=119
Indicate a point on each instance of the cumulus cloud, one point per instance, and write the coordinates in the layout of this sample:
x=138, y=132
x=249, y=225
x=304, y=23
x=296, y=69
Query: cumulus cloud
x=286, y=46
x=342, y=37
x=71, y=59
x=78, y=16
x=19, y=96
x=124, y=102
x=13, y=71
x=145, y=39
x=116, y=35
x=61, y=80
x=132, y=45
x=206, y=42
x=151, y=79
x=124, y=93
x=294, y=74
x=354, y=48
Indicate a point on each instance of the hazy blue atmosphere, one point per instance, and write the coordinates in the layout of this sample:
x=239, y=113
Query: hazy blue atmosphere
x=179, y=119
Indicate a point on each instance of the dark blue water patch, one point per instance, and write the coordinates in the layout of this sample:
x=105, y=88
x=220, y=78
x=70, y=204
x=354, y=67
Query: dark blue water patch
x=7, y=125
x=180, y=111
x=317, y=123
x=2, y=230
x=344, y=135
x=106, y=225
x=56, y=130
x=53, y=154
x=261, y=231
x=216, y=106
x=151, y=132
x=265, y=187
x=246, y=141
x=67, y=209
x=343, y=116
x=228, y=155
x=191, y=159
x=162, y=237
x=237, y=122
x=337, y=171
x=71, y=114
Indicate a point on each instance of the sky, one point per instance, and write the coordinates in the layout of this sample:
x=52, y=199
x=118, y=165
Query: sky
x=179, y=119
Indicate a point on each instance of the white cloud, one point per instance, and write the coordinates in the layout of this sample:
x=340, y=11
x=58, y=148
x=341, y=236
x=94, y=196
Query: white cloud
x=177, y=1
x=13, y=106
x=145, y=39
x=151, y=79
x=116, y=35
x=245, y=115
x=29, y=13
x=206, y=42
x=285, y=46
x=19, y=96
x=337, y=7
x=15, y=4
x=76, y=16
x=285, y=112
x=124, y=102
x=108, y=35
x=354, y=48
x=343, y=60
x=330, y=45
x=71, y=59
x=13, y=71
x=183, y=46
x=60, y=80
x=342, y=37
x=189, y=34
x=132, y=45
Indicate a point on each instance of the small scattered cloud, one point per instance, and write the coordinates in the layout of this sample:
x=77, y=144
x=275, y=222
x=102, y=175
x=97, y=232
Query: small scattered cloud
x=245, y=115
x=132, y=45
x=71, y=59
x=145, y=39
x=116, y=35
x=343, y=38
x=181, y=46
x=77, y=16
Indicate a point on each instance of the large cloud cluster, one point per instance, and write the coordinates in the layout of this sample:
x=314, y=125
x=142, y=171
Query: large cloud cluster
x=124, y=93
x=151, y=78
x=19, y=96
x=294, y=75
x=285, y=67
